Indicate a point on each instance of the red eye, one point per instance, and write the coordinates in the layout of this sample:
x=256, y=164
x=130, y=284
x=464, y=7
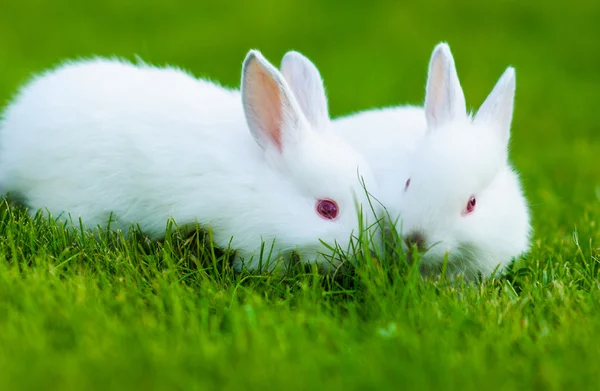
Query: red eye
x=470, y=205
x=327, y=209
x=407, y=184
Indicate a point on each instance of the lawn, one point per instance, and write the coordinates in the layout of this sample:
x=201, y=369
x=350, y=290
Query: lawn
x=80, y=313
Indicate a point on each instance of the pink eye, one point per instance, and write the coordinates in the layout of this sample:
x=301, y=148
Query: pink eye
x=327, y=209
x=470, y=205
x=407, y=184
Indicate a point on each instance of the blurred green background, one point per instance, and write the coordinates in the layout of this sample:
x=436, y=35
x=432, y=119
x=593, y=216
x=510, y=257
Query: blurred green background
x=370, y=53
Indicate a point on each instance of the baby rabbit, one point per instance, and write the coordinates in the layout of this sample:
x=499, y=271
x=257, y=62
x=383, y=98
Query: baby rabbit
x=105, y=139
x=462, y=198
x=443, y=174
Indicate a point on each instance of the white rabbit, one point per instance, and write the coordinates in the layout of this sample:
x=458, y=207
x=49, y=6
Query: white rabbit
x=444, y=176
x=101, y=139
x=462, y=197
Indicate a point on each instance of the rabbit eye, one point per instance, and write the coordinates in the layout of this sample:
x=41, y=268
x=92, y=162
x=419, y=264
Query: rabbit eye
x=407, y=184
x=470, y=205
x=327, y=209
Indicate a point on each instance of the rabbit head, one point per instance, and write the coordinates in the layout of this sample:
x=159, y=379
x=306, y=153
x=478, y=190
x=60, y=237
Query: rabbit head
x=462, y=200
x=289, y=119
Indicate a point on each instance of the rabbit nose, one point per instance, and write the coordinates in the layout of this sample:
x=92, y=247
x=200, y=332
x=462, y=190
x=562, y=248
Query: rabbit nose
x=416, y=238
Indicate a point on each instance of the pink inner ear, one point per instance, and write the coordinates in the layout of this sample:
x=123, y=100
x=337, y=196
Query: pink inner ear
x=267, y=105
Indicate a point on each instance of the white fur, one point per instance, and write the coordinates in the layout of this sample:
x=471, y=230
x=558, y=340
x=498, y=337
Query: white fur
x=462, y=157
x=448, y=157
x=99, y=137
x=305, y=81
x=385, y=137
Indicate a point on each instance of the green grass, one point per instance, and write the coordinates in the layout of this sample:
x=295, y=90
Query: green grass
x=78, y=313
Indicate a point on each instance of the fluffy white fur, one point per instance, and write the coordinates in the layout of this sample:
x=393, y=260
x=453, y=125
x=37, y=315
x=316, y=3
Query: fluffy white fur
x=449, y=157
x=384, y=137
x=463, y=156
x=98, y=137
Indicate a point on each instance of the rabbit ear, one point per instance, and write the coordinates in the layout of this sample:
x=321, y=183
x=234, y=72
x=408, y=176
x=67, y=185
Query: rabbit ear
x=497, y=109
x=271, y=110
x=305, y=81
x=444, y=98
